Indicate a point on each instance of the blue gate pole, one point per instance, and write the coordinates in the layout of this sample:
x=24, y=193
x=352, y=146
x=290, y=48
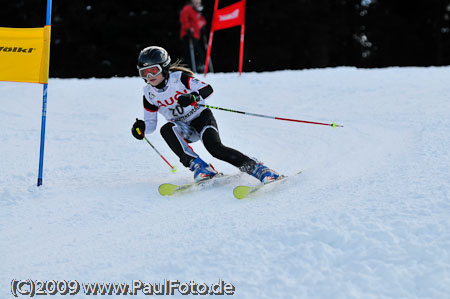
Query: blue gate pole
x=44, y=106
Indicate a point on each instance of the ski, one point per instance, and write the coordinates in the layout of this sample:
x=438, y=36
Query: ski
x=169, y=189
x=242, y=191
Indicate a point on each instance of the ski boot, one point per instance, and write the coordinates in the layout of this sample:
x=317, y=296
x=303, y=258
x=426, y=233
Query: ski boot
x=256, y=169
x=202, y=171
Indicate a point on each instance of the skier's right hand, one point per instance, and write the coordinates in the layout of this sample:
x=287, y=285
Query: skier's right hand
x=138, y=129
x=187, y=99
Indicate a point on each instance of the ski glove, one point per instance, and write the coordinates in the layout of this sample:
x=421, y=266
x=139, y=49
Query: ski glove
x=138, y=129
x=188, y=99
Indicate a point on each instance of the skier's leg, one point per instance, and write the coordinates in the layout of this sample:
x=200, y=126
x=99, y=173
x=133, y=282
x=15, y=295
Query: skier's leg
x=173, y=134
x=186, y=52
x=199, y=55
x=207, y=126
x=211, y=141
x=209, y=134
x=178, y=145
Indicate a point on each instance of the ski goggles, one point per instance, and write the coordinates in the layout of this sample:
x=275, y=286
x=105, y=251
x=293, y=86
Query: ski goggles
x=150, y=71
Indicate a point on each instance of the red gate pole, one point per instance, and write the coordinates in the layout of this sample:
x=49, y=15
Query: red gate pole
x=241, y=51
x=211, y=34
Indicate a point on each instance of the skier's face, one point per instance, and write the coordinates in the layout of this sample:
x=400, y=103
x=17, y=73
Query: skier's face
x=197, y=4
x=153, y=81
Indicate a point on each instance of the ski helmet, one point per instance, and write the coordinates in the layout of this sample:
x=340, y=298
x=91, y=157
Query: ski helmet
x=153, y=56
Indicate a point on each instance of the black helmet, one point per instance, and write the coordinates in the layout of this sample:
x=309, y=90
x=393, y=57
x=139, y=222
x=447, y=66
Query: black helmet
x=154, y=56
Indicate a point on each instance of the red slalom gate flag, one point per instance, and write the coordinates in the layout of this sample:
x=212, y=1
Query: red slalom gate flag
x=230, y=16
x=227, y=17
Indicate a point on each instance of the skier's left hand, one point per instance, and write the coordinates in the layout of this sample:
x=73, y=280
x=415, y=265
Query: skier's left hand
x=188, y=99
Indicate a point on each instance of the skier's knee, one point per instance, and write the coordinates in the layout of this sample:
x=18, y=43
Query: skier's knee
x=166, y=130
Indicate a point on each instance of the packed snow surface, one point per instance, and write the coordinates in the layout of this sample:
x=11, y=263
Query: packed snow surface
x=369, y=217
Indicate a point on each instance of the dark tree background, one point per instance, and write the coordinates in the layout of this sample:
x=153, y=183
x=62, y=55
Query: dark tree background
x=102, y=38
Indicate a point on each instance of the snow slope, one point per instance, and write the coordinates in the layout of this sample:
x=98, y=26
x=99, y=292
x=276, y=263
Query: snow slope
x=368, y=218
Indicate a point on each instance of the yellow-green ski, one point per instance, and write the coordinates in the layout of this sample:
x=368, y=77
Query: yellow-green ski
x=242, y=191
x=170, y=189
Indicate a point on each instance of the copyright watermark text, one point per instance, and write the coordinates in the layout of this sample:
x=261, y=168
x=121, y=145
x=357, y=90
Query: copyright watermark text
x=31, y=288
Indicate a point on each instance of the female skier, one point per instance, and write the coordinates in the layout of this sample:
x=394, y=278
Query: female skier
x=173, y=91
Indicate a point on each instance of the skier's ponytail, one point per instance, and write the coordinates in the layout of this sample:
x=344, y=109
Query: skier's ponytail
x=177, y=66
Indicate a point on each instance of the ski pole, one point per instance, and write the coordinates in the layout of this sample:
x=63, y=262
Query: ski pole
x=174, y=169
x=334, y=125
x=192, y=52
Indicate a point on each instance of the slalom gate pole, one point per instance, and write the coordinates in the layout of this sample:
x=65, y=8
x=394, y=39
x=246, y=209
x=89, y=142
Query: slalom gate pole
x=48, y=22
x=334, y=125
x=174, y=169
